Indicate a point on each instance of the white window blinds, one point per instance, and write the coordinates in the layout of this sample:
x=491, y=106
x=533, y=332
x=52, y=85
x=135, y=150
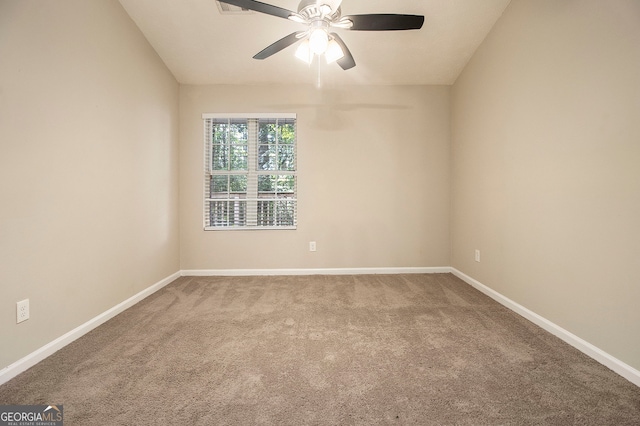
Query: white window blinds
x=250, y=171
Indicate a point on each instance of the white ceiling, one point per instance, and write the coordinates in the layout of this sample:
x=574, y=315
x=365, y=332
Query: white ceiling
x=202, y=46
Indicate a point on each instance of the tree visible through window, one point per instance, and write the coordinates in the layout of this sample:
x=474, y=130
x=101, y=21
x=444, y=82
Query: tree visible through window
x=250, y=171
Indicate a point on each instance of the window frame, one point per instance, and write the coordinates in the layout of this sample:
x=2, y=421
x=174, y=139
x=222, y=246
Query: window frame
x=253, y=197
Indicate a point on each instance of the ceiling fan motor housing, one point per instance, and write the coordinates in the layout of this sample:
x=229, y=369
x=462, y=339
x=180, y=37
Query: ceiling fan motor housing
x=313, y=10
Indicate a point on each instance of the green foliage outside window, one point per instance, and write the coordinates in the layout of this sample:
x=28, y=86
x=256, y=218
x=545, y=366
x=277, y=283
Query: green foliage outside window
x=230, y=146
x=252, y=173
x=276, y=149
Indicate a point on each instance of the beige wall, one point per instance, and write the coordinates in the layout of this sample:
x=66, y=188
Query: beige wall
x=373, y=178
x=546, y=166
x=544, y=169
x=88, y=166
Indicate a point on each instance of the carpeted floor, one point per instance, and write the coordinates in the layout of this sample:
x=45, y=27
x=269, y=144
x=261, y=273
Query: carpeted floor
x=324, y=350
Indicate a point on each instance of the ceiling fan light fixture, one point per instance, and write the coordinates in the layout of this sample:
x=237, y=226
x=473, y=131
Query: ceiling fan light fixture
x=304, y=52
x=334, y=52
x=318, y=41
x=320, y=16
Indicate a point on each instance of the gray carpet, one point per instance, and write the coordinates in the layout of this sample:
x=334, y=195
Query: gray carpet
x=324, y=350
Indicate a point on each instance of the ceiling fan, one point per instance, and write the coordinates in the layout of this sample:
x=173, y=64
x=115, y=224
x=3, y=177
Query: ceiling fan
x=320, y=16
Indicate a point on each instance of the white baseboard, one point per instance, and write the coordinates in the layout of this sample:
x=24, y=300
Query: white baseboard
x=320, y=271
x=35, y=357
x=587, y=348
x=625, y=370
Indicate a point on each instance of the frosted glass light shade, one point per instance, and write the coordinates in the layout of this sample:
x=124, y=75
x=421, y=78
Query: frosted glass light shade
x=333, y=52
x=304, y=52
x=318, y=41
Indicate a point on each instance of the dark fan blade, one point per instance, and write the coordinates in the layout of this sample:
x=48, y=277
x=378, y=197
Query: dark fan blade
x=385, y=22
x=278, y=45
x=347, y=61
x=260, y=7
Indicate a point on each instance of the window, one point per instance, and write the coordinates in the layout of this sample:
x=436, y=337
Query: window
x=250, y=171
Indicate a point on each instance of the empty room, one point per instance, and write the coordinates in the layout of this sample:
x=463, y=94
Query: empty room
x=320, y=212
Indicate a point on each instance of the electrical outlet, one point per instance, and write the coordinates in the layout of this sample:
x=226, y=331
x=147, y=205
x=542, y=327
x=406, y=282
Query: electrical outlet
x=22, y=311
x=312, y=246
x=477, y=255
